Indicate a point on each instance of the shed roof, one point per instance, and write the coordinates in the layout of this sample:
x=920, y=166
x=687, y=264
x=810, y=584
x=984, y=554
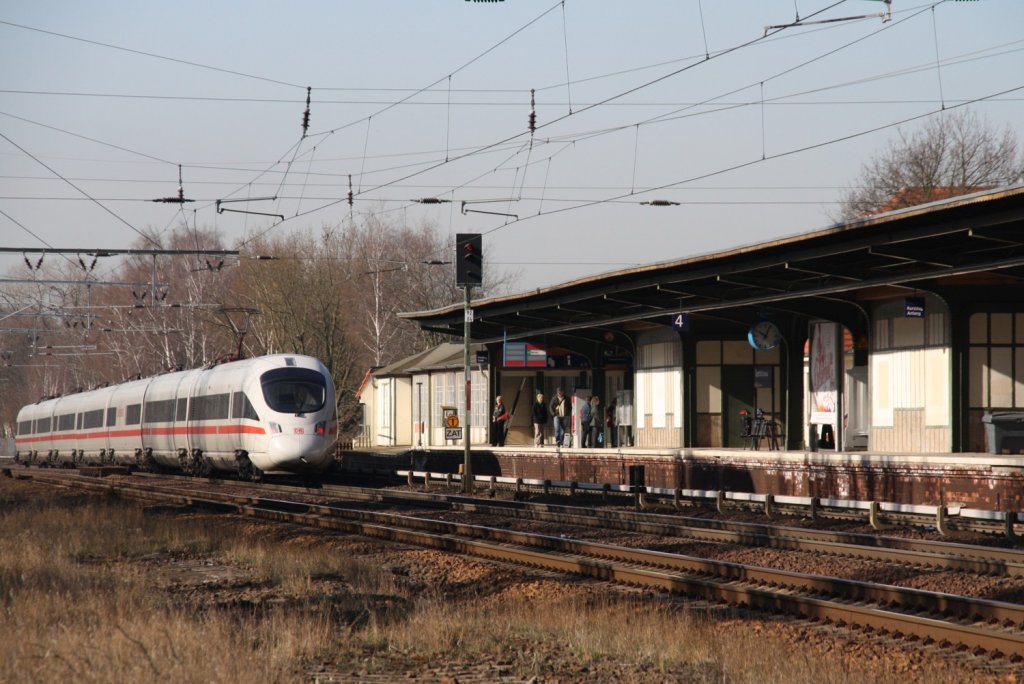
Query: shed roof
x=442, y=357
x=907, y=248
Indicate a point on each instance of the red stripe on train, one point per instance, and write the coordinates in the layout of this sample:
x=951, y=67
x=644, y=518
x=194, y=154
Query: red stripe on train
x=147, y=432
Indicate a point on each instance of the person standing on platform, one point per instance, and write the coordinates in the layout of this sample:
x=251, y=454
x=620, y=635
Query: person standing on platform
x=540, y=420
x=596, y=423
x=611, y=422
x=499, y=422
x=585, y=419
x=559, y=410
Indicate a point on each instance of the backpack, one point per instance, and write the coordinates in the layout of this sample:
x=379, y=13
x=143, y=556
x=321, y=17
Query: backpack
x=585, y=412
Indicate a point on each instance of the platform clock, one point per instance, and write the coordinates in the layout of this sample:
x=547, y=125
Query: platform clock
x=764, y=335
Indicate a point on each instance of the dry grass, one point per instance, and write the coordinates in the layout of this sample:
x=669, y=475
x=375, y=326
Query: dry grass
x=78, y=600
x=95, y=590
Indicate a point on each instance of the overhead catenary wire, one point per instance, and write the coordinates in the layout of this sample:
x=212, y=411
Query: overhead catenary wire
x=938, y=62
x=431, y=85
x=76, y=187
x=626, y=92
x=753, y=162
x=143, y=53
x=778, y=100
x=365, y=157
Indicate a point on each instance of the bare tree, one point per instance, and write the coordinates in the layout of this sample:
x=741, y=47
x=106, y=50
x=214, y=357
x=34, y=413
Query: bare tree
x=953, y=154
x=303, y=296
x=406, y=268
x=172, y=323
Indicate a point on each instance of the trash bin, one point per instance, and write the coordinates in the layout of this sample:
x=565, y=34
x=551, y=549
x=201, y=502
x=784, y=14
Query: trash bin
x=1004, y=431
x=636, y=476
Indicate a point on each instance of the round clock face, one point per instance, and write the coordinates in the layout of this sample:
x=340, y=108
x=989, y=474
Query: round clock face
x=764, y=335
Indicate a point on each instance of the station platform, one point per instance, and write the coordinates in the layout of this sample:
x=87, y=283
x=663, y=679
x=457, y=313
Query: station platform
x=974, y=480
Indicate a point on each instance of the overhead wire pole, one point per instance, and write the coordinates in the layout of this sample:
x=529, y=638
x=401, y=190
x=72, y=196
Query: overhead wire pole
x=468, y=272
x=467, y=461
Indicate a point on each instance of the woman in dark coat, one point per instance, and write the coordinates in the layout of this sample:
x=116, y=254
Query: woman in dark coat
x=540, y=419
x=499, y=422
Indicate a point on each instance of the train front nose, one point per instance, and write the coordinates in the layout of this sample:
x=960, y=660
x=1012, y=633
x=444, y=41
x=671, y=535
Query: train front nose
x=298, y=452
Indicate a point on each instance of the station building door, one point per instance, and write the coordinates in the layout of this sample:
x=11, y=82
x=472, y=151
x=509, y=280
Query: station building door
x=737, y=396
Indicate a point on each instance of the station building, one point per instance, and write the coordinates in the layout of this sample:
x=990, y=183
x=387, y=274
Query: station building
x=898, y=333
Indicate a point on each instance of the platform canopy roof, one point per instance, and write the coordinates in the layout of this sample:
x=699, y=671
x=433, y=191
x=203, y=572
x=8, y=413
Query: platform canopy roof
x=975, y=238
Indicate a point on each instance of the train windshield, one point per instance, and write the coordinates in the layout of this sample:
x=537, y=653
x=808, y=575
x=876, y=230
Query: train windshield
x=294, y=390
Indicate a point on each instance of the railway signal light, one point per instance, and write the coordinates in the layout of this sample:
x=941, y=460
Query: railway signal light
x=469, y=260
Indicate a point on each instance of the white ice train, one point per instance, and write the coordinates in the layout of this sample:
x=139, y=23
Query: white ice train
x=270, y=414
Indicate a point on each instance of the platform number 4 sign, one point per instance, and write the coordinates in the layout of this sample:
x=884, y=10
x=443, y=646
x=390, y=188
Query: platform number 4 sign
x=681, y=322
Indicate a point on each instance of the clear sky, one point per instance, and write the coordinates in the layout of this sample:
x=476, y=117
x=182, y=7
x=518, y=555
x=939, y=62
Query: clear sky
x=753, y=132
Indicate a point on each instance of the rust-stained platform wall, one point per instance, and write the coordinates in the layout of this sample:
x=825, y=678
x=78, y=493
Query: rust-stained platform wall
x=975, y=480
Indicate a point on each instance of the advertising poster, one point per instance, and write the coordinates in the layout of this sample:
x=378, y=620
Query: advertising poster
x=824, y=368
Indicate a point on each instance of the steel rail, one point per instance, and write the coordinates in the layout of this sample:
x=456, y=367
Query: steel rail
x=710, y=579
x=941, y=555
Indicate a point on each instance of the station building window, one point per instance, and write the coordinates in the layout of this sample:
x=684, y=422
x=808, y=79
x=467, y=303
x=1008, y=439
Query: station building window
x=450, y=390
x=996, y=361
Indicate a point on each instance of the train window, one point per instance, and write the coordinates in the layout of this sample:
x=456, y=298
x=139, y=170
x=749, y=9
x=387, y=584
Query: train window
x=182, y=412
x=210, y=407
x=92, y=419
x=112, y=416
x=133, y=414
x=43, y=425
x=79, y=421
x=66, y=422
x=294, y=390
x=161, y=411
x=241, y=407
x=25, y=427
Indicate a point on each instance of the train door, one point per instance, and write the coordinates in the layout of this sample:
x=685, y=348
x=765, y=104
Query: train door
x=193, y=426
x=181, y=441
x=737, y=396
x=109, y=424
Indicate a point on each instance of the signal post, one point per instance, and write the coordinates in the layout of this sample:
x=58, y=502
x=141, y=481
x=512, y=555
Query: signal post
x=469, y=273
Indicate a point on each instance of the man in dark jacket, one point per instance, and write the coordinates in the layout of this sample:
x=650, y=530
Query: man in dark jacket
x=559, y=412
x=540, y=419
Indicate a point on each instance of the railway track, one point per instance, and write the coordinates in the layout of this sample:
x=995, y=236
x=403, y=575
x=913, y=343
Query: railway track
x=937, y=555
x=984, y=626
x=925, y=553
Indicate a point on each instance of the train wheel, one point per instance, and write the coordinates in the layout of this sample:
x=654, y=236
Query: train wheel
x=244, y=465
x=149, y=463
x=195, y=463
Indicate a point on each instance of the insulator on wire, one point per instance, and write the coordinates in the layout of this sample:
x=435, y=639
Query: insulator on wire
x=305, y=114
x=533, y=113
x=351, y=197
